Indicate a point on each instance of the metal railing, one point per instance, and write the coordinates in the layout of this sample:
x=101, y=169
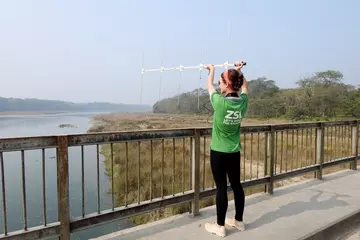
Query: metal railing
x=151, y=170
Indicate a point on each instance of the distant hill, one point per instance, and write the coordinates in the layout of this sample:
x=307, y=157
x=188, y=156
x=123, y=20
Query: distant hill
x=40, y=105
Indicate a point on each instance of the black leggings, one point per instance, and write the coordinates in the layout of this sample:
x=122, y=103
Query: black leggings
x=222, y=164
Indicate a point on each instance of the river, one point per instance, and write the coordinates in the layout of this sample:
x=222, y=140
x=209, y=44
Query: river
x=32, y=125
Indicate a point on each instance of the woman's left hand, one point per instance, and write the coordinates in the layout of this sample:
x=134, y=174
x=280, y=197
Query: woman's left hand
x=239, y=65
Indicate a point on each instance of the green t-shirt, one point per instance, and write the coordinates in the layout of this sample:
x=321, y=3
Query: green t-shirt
x=228, y=113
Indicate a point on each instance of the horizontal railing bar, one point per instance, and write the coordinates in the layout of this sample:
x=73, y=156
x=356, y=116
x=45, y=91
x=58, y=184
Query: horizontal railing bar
x=27, y=143
x=255, y=129
x=38, y=142
x=341, y=123
x=244, y=129
x=297, y=172
x=211, y=192
x=94, y=219
x=338, y=162
x=39, y=232
x=255, y=182
x=205, y=132
x=279, y=127
x=97, y=138
x=295, y=126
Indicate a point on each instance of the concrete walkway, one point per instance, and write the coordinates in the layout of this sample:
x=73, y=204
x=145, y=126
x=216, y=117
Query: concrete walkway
x=355, y=236
x=292, y=212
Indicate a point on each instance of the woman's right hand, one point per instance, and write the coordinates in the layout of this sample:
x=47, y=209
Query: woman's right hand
x=209, y=67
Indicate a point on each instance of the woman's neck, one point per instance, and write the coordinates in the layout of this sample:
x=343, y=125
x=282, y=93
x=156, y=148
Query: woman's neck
x=228, y=91
x=232, y=93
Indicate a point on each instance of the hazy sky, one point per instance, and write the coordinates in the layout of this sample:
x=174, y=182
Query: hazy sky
x=91, y=50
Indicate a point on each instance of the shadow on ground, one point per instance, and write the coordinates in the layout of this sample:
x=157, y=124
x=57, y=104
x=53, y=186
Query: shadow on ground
x=290, y=209
x=297, y=207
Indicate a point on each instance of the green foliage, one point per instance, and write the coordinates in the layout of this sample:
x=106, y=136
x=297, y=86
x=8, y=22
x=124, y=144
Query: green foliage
x=324, y=79
x=263, y=88
x=322, y=96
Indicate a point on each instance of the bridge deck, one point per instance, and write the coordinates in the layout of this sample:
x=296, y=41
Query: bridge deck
x=293, y=212
x=355, y=236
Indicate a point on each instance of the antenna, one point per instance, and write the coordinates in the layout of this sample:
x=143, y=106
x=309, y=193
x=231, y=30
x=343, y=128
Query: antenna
x=142, y=76
x=181, y=44
x=161, y=70
x=200, y=71
x=181, y=68
x=229, y=38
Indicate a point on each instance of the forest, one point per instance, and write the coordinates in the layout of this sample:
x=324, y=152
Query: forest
x=321, y=96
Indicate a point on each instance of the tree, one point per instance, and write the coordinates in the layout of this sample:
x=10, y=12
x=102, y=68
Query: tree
x=261, y=87
x=325, y=79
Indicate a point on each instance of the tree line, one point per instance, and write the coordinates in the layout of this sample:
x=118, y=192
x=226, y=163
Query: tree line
x=320, y=96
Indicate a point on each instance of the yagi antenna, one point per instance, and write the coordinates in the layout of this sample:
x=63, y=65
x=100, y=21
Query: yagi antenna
x=182, y=68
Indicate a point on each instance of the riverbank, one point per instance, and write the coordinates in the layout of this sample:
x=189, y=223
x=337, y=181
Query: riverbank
x=143, y=121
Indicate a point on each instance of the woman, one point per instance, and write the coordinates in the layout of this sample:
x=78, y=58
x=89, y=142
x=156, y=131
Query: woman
x=229, y=109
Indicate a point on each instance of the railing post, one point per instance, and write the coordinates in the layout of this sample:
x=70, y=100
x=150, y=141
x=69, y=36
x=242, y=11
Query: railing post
x=63, y=187
x=195, y=206
x=355, y=145
x=320, y=137
x=271, y=149
x=190, y=169
x=266, y=170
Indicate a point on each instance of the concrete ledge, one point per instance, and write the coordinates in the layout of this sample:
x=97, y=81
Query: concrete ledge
x=340, y=229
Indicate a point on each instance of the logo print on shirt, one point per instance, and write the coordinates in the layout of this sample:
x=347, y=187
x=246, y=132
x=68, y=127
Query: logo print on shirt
x=232, y=117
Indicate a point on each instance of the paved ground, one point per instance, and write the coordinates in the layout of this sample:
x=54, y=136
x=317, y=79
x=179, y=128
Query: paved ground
x=355, y=236
x=292, y=212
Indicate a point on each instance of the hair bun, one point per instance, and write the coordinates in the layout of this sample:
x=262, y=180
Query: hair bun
x=236, y=78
